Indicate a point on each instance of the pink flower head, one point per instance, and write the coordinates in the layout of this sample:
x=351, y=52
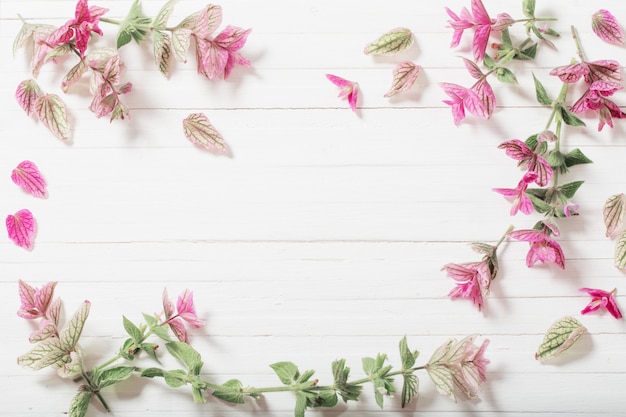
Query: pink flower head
x=601, y=299
x=534, y=163
x=603, y=70
x=35, y=301
x=85, y=21
x=542, y=248
x=472, y=279
x=217, y=57
x=595, y=99
x=520, y=200
x=185, y=311
x=477, y=100
x=606, y=27
x=349, y=89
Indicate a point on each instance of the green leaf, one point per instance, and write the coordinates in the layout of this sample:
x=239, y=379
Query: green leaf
x=407, y=356
x=132, y=330
x=80, y=402
x=161, y=332
x=176, y=378
x=129, y=349
x=152, y=372
x=150, y=349
x=568, y=190
x=410, y=388
x=232, y=394
x=340, y=374
x=613, y=213
x=620, y=252
x=527, y=53
x=489, y=62
x=570, y=118
x=114, y=375
x=576, y=157
x=301, y=401
x=528, y=8
x=186, y=354
x=151, y=321
x=326, y=398
x=134, y=26
x=181, y=38
x=70, y=333
x=199, y=130
x=505, y=75
x=123, y=37
x=162, y=47
x=540, y=92
x=160, y=20
x=560, y=337
x=390, y=43
x=306, y=375
x=539, y=205
x=507, y=44
x=51, y=111
x=287, y=372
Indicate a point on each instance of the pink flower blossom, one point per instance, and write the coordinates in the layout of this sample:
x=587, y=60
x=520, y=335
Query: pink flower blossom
x=85, y=21
x=185, y=311
x=603, y=70
x=478, y=100
x=216, y=57
x=595, y=99
x=534, y=163
x=542, y=248
x=472, y=280
x=35, y=301
x=606, y=27
x=602, y=299
x=520, y=200
x=349, y=89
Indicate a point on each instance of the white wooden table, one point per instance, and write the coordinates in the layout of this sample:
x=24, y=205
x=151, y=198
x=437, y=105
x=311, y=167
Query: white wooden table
x=323, y=235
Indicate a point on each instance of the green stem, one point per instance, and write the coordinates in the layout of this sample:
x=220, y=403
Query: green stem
x=96, y=392
x=537, y=19
x=508, y=230
x=111, y=21
x=579, y=47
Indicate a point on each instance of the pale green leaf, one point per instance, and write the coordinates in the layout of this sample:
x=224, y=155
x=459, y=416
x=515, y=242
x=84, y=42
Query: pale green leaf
x=410, y=388
x=114, y=375
x=406, y=355
x=151, y=350
x=528, y=8
x=620, y=252
x=569, y=189
x=541, y=93
x=443, y=379
x=199, y=130
x=287, y=372
x=58, y=52
x=132, y=330
x=176, y=378
x=184, y=353
x=160, y=20
x=47, y=352
x=232, y=393
x=300, y=408
x=80, y=402
x=181, y=38
x=70, y=333
x=560, y=337
x=404, y=76
x=51, y=111
x=74, y=74
x=391, y=43
x=162, y=46
x=613, y=213
x=25, y=33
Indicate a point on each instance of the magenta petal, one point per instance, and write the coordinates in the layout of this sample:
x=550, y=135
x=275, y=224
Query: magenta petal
x=480, y=13
x=27, y=176
x=612, y=308
x=21, y=228
x=338, y=81
x=178, y=327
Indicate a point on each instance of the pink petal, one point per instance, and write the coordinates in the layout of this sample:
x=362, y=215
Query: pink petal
x=353, y=97
x=27, y=176
x=27, y=298
x=338, y=81
x=613, y=308
x=528, y=235
x=479, y=44
x=606, y=27
x=178, y=327
x=168, y=306
x=21, y=228
x=595, y=292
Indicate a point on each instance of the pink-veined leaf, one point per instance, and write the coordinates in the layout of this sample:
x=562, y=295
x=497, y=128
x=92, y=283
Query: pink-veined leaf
x=560, y=337
x=47, y=352
x=613, y=213
x=25, y=33
x=473, y=69
x=21, y=228
x=620, y=252
x=204, y=22
x=199, y=130
x=391, y=43
x=181, y=38
x=27, y=176
x=27, y=94
x=606, y=26
x=162, y=46
x=487, y=97
x=51, y=111
x=404, y=76
x=74, y=74
x=160, y=20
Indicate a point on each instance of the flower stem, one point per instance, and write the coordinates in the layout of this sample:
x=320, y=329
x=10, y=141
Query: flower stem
x=509, y=230
x=579, y=48
x=111, y=21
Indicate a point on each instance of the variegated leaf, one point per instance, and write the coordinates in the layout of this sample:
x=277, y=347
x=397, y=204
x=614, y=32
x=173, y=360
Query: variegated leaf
x=620, y=252
x=70, y=333
x=25, y=33
x=560, y=337
x=51, y=111
x=181, y=38
x=162, y=50
x=27, y=94
x=45, y=353
x=613, y=213
x=80, y=402
x=199, y=130
x=160, y=20
x=74, y=74
x=390, y=43
x=404, y=76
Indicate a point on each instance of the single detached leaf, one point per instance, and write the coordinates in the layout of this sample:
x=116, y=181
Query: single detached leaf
x=80, y=402
x=51, y=111
x=560, y=337
x=232, y=395
x=613, y=213
x=410, y=388
x=21, y=228
x=391, y=43
x=606, y=26
x=27, y=94
x=199, y=130
x=404, y=76
x=27, y=176
x=620, y=252
x=287, y=372
x=70, y=333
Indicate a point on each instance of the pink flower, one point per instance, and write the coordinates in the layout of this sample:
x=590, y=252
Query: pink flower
x=349, y=89
x=542, y=248
x=521, y=202
x=85, y=21
x=604, y=24
x=104, y=82
x=218, y=56
x=476, y=100
x=603, y=70
x=35, y=301
x=595, y=99
x=185, y=311
x=519, y=151
x=472, y=279
x=601, y=299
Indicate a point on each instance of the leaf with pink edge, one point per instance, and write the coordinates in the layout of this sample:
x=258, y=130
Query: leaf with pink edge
x=51, y=111
x=613, y=213
x=390, y=43
x=74, y=74
x=404, y=76
x=620, y=252
x=606, y=26
x=162, y=47
x=27, y=94
x=473, y=69
x=21, y=228
x=560, y=337
x=199, y=130
x=27, y=176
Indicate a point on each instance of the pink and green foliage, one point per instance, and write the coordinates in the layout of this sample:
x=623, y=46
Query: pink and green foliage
x=27, y=176
x=606, y=26
x=349, y=89
x=199, y=130
x=542, y=247
x=21, y=228
x=404, y=75
x=175, y=317
x=471, y=279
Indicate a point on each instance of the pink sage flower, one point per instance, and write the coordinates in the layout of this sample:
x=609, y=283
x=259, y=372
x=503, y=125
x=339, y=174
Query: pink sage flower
x=602, y=299
x=534, y=163
x=35, y=301
x=477, y=99
x=606, y=26
x=349, y=89
x=603, y=70
x=520, y=200
x=472, y=280
x=595, y=98
x=184, y=311
x=85, y=21
x=542, y=248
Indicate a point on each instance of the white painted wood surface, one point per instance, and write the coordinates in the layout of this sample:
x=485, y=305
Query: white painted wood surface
x=324, y=234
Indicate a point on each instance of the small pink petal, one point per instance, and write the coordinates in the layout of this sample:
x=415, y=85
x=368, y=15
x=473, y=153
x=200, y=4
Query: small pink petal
x=606, y=27
x=338, y=81
x=27, y=176
x=480, y=13
x=178, y=327
x=21, y=228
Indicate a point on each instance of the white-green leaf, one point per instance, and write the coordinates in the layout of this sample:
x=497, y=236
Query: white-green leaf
x=443, y=379
x=160, y=20
x=181, y=38
x=199, y=130
x=410, y=388
x=51, y=111
x=390, y=43
x=620, y=252
x=404, y=76
x=287, y=372
x=613, y=213
x=132, y=330
x=80, y=402
x=25, y=33
x=560, y=337
x=162, y=46
x=70, y=333
x=47, y=352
